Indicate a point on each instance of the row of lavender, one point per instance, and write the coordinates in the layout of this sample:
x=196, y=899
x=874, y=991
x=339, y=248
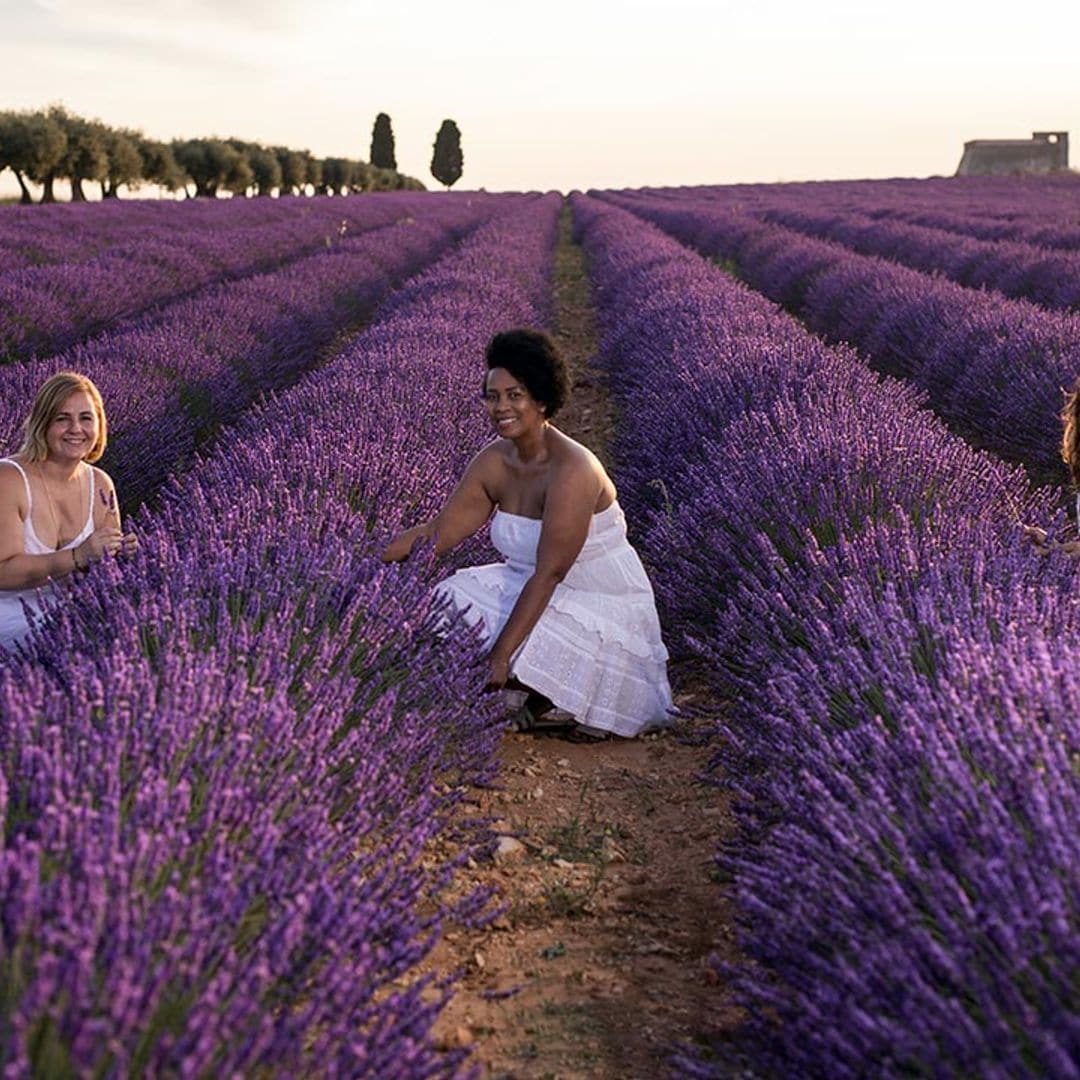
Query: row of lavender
x=1058, y=234
x=232, y=776
x=991, y=365
x=67, y=232
x=175, y=375
x=1023, y=271
x=961, y=235
x=1044, y=211
x=1039, y=210
x=903, y=729
x=47, y=308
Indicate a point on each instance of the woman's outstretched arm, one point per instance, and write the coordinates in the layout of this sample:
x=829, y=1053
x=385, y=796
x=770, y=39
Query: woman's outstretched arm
x=1044, y=545
x=465, y=512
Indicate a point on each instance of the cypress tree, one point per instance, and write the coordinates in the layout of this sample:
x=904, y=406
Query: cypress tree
x=447, y=160
x=382, y=143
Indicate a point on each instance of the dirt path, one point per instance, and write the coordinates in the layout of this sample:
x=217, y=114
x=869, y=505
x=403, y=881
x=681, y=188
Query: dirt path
x=601, y=962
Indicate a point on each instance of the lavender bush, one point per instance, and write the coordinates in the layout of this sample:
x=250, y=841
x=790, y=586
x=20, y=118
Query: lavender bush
x=199, y=363
x=232, y=769
x=994, y=367
x=1039, y=210
x=1023, y=271
x=70, y=232
x=47, y=308
x=903, y=731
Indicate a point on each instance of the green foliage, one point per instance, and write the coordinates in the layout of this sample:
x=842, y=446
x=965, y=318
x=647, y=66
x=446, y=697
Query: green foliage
x=239, y=176
x=32, y=144
x=382, y=143
x=313, y=170
x=211, y=164
x=361, y=179
x=382, y=179
x=447, y=160
x=124, y=163
x=85, y=156
x=52, y=144
x=264, y=165
x=159, y=164
x=337, y=175
x=293, y=170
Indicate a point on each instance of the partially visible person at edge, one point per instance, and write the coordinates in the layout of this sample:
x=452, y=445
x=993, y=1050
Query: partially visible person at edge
x=58, y=512
x=569, y=617
x=1070, y=454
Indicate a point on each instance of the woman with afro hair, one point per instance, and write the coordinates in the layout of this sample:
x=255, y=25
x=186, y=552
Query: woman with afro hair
x=569, y=615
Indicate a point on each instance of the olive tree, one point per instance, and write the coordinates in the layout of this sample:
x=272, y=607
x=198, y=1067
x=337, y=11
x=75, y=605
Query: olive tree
x=212, y=165
x=124, y=163
x=32, y=145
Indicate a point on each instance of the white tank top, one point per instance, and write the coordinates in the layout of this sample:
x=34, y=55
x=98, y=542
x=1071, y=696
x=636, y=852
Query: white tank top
x=14, y=625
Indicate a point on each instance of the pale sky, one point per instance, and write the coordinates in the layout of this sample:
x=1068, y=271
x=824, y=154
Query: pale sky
x=566, y=93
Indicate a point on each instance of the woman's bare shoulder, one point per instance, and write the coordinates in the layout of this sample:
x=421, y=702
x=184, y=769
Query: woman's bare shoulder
x=487, y=469
x=10, y=471
x=12, y=485
x=102, y=478
x=573, y=457
x=491, y=456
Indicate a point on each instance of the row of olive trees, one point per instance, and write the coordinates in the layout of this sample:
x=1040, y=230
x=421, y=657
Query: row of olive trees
x=53, y=144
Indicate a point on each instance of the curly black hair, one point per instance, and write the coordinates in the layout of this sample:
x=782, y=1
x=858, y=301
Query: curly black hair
x=532, y=358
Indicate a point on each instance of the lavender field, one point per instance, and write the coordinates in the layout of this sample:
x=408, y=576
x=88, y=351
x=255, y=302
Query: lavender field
x=234, y=769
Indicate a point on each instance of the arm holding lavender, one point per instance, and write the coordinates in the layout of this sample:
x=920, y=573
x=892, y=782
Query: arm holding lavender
x=17, y=569
x=1070, y=454
x=465, y=513
x=107, y=518
x=1044, y=544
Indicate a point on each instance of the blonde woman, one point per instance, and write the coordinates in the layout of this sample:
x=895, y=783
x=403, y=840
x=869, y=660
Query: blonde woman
x=1070, y=454
x=58, y=512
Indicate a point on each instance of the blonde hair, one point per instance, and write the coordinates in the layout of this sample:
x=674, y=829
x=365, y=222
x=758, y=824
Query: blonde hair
x=52, y=395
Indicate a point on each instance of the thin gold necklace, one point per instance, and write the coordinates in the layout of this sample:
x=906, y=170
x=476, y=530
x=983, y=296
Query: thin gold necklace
x=52, y=507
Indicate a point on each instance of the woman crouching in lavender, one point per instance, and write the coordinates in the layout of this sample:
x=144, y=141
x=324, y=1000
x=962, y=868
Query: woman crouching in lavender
x=1070, y=454
x=569, y=617
x=58, y=512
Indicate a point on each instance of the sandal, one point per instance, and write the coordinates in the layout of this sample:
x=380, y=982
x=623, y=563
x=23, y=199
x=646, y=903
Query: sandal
x=524, y=719
x=581, y=734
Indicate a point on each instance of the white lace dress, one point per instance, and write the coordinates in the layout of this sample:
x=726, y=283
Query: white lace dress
x=596, y=650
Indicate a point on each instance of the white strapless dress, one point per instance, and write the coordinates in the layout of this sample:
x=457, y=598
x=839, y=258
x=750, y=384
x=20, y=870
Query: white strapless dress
x=596, y=650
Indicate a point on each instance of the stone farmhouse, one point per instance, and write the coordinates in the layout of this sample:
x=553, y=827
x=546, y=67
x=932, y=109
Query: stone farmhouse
x=1045, y=151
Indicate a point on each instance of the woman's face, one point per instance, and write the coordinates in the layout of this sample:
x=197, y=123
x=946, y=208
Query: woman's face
x=73, y=430
x=513, y=410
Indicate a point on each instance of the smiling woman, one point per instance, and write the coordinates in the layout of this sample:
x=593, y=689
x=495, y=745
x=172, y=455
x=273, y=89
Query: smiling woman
x=58, y=512
x=569, y=617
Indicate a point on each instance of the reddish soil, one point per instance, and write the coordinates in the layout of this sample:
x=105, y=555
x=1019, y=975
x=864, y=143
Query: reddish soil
x=601, y=963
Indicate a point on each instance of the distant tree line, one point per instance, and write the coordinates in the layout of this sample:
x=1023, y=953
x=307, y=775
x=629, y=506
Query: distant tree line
x=53, y=144
x=447, y=160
